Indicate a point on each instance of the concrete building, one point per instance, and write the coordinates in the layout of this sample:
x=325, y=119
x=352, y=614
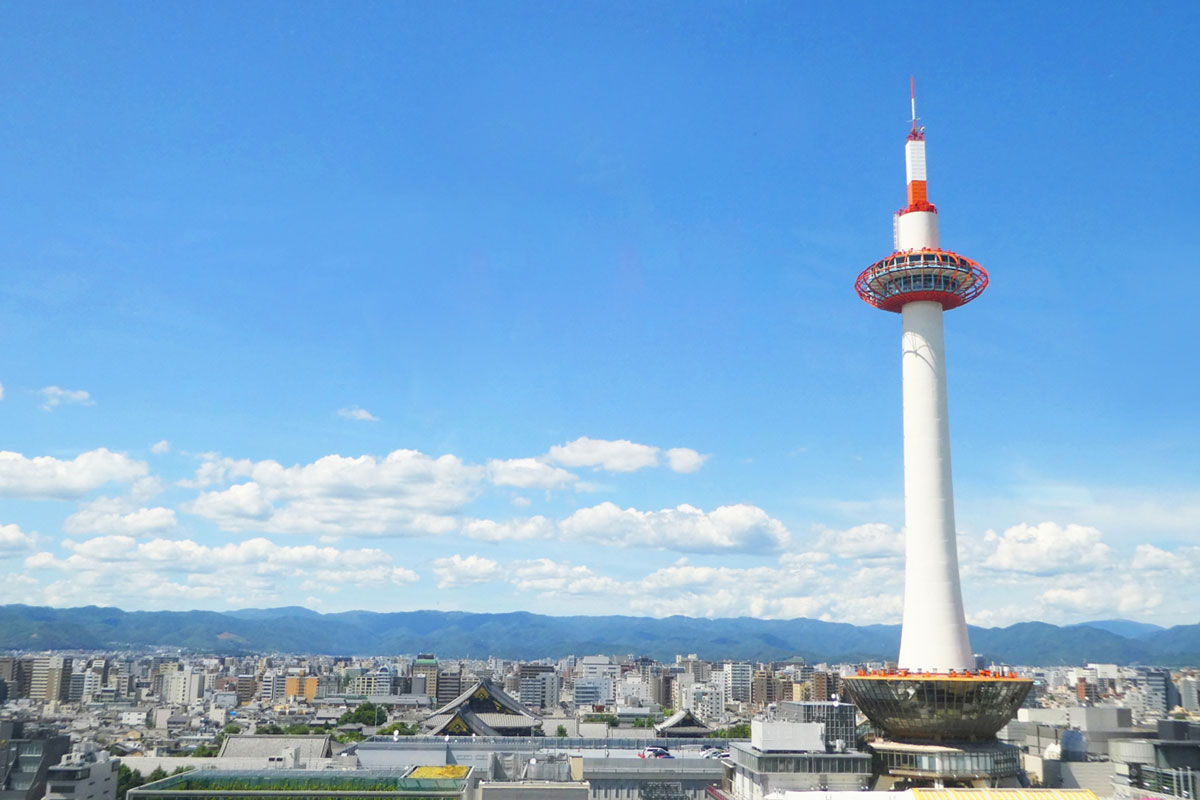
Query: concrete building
x=449, y=685
x=247, y=688
x=705, y=700
x=273, y=687
x=425, y=675
x=839, y=730
x=1189, y=694
x=85, y=773
x=592, y=692
x=538, y=686
x=25, y=761
x=50, y=679
x=379, y=681
x=739, y=677
x=1159, y=694
x=182, y=687
x=597, y=667
x=302, y=687
x=786, y=756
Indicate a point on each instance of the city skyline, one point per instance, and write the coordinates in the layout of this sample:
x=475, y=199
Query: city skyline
x=549, y=309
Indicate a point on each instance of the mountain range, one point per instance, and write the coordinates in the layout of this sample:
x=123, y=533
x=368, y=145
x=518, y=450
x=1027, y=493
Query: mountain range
x=522, y=635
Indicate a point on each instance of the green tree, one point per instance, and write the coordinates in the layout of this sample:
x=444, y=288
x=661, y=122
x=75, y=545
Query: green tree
x=739, y=731
x=299, y=729
x=561, y=731
x=157, y=775
x=127, y=779
x=400, y=728
x=365, y=714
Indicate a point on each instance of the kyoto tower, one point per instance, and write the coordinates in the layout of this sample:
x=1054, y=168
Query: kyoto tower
x=920, y=281
x=934, y=694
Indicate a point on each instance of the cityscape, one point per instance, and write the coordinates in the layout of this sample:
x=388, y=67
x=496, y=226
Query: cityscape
x=586, y=726
x=476, y=409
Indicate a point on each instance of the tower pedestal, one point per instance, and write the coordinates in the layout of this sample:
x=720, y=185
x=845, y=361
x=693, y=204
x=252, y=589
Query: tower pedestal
x=951, y=765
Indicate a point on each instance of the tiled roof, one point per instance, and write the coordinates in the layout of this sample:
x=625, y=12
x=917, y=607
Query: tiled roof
x=480, y=724
x=682, y=721
x=499, y=695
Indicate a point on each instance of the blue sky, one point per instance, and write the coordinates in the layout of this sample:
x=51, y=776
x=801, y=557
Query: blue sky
x=550, y=306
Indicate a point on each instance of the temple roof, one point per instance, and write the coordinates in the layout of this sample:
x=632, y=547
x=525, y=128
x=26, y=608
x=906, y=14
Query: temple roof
x=682, y=723
x=484, y=710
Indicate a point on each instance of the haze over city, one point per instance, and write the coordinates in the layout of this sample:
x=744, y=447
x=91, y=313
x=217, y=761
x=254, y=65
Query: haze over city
x=550, y=307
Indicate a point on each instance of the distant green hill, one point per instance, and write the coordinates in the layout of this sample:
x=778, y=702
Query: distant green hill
x=524, y=635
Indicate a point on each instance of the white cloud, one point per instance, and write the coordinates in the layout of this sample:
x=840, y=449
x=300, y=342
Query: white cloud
x=873, y=540
x=1148, y=558
x=459, y=571
x=684, y=459
x=520, y=501
x=528, y=473
x=116, y=515
x=1, y=391
x=1124, y=598
x=44, y=477
x=554, y=577
x=357, y=414
x=622, y=455
x=404, y=493
x=802, y=585
x=684, y=528
x=619, y=455
x=487, y=530
x=119, y=568
x=14, y=541
x=1046, y=549
x=53, y=397
x=160, y=447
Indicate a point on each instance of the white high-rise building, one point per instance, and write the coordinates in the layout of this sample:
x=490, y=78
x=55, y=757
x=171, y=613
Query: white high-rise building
x=539, y=686
x=739, y=677
x=705, y=700
x=597, y=667
x=1189, y=694
x=593, y=692
x=633, y=691
x=182, y=687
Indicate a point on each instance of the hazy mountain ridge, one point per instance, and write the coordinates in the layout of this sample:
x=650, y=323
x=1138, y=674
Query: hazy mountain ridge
x=520, y=634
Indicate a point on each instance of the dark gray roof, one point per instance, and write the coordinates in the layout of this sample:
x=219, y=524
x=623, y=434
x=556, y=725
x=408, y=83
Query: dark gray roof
x=499, y=695
x=681, y=722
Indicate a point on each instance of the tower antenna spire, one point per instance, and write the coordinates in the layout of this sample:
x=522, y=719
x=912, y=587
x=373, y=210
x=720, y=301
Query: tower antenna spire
x=912, y=91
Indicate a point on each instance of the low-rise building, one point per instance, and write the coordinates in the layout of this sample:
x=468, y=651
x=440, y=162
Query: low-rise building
x=25, y=759
x=85, y=773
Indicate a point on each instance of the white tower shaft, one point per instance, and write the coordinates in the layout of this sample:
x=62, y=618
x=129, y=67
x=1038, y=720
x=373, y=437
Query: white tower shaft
x=934, y=635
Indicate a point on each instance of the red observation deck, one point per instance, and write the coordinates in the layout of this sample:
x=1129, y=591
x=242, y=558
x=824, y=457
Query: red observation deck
x=938, y=275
